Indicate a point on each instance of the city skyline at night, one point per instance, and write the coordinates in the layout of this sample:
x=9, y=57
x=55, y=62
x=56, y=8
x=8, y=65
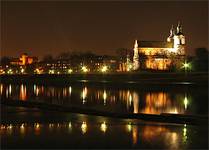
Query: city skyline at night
x=104, y=74
x=41, y=28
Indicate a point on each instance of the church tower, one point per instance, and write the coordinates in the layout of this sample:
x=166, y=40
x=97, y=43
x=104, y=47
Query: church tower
x=136, y=56
x=179, y=40
x=170, y=38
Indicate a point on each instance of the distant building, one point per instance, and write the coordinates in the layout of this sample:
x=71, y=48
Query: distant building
x=160, y=55
x=24, y=59
x=74, y=64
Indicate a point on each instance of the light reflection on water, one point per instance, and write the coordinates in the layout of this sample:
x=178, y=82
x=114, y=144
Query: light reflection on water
x=104, y=98
x=23, y=92
x=170, y=137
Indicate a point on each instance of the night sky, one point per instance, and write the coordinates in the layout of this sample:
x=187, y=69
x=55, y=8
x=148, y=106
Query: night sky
x=41, y=28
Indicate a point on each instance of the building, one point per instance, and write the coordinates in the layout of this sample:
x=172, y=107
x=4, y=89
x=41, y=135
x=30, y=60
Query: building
x=23, y=60
x=160, y=55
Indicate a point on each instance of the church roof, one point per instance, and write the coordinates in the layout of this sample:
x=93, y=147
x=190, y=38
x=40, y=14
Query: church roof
x=155, y=44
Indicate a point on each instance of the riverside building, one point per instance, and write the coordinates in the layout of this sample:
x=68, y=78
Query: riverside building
x=160, y=55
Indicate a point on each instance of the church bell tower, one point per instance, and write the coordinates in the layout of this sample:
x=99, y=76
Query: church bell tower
x=136, y=56
x=179, y=40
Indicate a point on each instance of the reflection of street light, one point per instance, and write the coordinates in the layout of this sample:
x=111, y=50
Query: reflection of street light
x=105, y=96
x=70, y=125
x=37, y=126
x=185, y=102
x=22, y=126
x=10, y=126
x=84, y=127
x=103, y=127
x=84, y=94
x=185, y=133
x=129, y=127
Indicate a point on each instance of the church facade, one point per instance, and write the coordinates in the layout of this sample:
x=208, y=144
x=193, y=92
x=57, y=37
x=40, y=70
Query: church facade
x=160, y=55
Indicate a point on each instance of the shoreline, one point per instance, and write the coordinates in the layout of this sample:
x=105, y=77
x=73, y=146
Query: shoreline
x=163, y=118
x=117, y=78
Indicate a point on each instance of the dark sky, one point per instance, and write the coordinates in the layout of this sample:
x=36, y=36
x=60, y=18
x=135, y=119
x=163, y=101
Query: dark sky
x=41, y=28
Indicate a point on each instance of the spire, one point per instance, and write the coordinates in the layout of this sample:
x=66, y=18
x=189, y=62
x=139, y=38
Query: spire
x=171, y=31
x=179, y=28
x=136, y=44
x=179, y=23
x=170, y=37
x=136, y=56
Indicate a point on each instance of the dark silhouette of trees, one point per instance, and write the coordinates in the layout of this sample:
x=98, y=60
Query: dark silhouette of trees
x=29, y=69
x=5, y=61
x=201, y=59
x=122, y=53
x=48, y=58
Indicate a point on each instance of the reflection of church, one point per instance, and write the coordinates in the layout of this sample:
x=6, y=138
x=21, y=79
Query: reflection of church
x=160, y=55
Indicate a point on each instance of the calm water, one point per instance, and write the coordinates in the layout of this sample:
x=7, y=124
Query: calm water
x=35, y=129
x=183, y=99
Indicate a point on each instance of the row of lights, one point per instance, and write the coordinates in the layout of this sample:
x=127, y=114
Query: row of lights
x=84, y=126
x=10, y=71
x=186, y=66
x=84, y=69
x=103, y=126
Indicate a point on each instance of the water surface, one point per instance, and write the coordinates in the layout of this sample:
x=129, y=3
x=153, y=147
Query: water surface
x=183, y=99
x=26, y=128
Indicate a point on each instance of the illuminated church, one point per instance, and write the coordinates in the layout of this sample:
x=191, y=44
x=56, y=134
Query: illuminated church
x=160, y=55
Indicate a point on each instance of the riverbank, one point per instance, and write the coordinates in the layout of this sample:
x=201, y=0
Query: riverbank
x=167, y=118
x=117, y=78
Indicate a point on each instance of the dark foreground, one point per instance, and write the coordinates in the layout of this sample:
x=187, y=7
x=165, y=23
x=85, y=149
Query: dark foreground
x=24, y=128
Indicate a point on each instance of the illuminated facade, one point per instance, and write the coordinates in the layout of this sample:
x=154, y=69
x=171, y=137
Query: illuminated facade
x=160, y=55
x=24, y=60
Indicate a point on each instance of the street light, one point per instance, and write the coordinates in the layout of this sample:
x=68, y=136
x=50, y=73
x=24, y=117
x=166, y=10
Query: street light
x=22, y=70
x=129, y=67
x=103, y=127
x=51, y=71
x=10, y=71
x=70, y=71
x=104, y=69
x=187, y=66
x=84, y=69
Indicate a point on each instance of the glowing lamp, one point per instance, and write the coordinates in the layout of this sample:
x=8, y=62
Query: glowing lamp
x=84, y=69
x=104, y=69
x=70, y=71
